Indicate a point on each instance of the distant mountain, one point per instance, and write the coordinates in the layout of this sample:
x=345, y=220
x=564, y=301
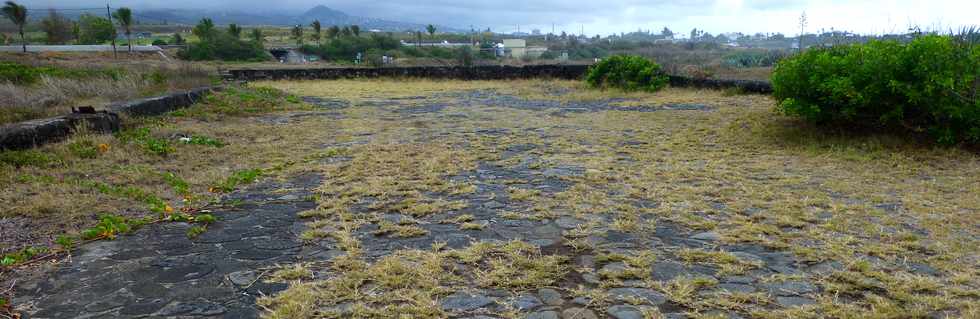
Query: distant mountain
x=325, y=14
x=327, y=17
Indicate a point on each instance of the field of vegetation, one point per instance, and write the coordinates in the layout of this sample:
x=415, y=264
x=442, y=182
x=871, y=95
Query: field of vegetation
x=851, y=192
x=452, y=199
x=32, y=88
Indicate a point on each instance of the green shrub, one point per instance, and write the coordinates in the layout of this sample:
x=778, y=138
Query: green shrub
x=224, y=47
x=347, y=48
x=927, y=85
x=627, y=72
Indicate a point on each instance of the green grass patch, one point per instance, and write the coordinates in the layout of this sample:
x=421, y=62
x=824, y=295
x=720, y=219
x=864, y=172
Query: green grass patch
x=241, y=177
x=27, y=158
x=110, y=226
x=146, y=141
x=21, y=256
x=179, y=185
x=236, y=101
x=86, y=149
x=153, y=202
x=204, y=141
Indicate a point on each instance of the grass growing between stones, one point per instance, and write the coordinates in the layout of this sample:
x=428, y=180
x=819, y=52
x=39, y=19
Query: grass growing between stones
x=439, y=195
x=158, y=167
x=766, y=216
x=411, y=282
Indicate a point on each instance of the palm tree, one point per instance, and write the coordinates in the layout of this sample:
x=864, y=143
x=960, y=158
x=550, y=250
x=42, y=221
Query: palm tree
x=257, y=36
x=235, y=31
x=124, y=16
x=432, y=30
x=18, y=15
x=333, y=32
x=316, y=31
x=204, y=29
x=298, y=34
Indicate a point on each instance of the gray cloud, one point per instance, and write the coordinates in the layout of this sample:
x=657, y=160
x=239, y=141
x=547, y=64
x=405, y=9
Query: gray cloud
x=605, y=16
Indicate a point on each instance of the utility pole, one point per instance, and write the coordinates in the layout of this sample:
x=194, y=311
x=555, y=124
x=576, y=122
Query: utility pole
x=108, y=14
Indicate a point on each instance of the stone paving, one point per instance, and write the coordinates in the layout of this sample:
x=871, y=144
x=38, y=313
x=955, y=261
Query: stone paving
x=159, y=272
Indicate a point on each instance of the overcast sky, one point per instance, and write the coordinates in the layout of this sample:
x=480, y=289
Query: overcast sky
x=614, y=16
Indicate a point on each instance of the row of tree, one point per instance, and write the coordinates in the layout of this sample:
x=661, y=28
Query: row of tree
x=89, y=29
x=213, y=44
x=332, y=32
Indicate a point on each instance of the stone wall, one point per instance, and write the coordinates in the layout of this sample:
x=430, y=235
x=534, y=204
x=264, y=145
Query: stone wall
x=490, y=72
x=747, y=86
x=35, y=133
x=162, y=104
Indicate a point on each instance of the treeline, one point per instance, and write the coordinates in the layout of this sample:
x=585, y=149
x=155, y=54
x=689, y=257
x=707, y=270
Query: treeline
x=88, y=29
x=227, y=45
x=345, y=44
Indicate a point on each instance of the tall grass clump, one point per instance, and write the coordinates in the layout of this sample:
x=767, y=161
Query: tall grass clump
x=628, y=73
x=30, y=92
x=927, y=85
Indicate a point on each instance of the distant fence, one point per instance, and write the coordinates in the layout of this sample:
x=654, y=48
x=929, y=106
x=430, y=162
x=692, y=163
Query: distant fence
x=486, y=72
x=35, y=133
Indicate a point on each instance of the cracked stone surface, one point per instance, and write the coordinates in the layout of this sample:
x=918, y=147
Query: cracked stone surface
x=158, y=272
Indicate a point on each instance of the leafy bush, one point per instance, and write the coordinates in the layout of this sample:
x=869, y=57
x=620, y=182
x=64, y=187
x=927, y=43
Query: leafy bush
x=927, y=85
x=94, y=29
x=347, y=48
x=221, y=46
x=627, y=72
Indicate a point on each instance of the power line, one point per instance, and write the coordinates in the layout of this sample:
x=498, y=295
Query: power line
x=74, y=9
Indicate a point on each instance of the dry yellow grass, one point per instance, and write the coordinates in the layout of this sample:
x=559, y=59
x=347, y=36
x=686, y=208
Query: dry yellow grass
x=747, y=173
x=875, y=204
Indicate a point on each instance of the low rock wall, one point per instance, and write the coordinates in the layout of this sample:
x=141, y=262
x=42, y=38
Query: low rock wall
x=491, y=72
x=38, y=132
